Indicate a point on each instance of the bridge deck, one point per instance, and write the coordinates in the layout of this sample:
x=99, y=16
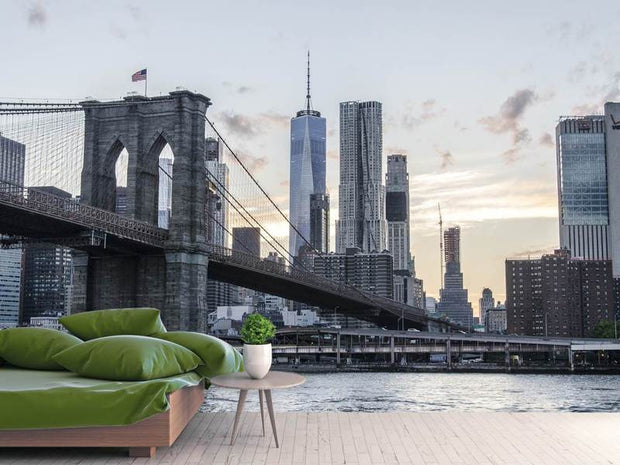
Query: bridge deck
x=437, y=438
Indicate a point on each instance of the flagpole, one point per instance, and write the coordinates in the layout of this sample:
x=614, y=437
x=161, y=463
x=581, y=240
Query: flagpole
x=146, y=78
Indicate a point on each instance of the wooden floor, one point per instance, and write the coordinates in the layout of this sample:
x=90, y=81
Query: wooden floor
x=374, y=438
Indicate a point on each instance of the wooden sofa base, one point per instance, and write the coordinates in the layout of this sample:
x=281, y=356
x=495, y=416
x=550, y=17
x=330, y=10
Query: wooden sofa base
x=141, y=438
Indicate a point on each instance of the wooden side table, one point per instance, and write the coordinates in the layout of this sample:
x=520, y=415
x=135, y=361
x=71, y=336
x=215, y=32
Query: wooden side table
x=241, y=381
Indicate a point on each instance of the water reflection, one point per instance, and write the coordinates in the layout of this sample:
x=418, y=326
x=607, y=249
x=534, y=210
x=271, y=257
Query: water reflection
x=376, y=392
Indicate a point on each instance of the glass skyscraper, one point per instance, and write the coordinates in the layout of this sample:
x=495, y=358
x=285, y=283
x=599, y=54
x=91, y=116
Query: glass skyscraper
x=308, y=164
x=582, y=187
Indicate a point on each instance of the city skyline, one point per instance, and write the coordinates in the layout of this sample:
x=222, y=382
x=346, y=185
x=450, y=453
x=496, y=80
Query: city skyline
x=477, y=132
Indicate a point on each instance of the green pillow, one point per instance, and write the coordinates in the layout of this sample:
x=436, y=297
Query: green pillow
x=101, y=323
x=128, y=358
x=219, y=357
x=34, y=348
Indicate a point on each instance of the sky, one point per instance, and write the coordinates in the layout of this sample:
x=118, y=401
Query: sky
x=471, y=93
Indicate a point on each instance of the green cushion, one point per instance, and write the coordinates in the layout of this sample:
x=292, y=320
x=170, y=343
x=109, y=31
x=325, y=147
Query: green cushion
x=34, y=348
x=128, y=358
x=219, y=357
x=101, y=323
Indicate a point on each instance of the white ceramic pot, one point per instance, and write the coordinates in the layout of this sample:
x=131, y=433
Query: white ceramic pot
x=257, y=360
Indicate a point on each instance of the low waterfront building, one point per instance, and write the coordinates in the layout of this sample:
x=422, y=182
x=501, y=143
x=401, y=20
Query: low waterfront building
x=495, y=320
x=430, y=305
x=234, y=312
x=47, y=321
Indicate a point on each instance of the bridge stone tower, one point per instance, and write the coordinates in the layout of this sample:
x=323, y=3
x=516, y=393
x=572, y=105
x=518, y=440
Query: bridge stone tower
x=175, y=279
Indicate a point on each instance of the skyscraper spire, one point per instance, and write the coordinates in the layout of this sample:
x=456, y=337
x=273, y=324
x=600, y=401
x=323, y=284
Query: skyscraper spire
x=308, y=101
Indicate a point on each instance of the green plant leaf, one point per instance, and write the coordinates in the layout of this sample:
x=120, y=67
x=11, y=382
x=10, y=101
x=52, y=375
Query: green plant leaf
x=257, y=329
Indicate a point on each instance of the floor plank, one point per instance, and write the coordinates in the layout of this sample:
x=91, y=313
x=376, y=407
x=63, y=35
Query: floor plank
x=428, y=438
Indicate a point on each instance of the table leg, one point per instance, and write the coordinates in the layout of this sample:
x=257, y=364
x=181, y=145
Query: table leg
x=242, y=395
x=271, y=415
x=262, y=414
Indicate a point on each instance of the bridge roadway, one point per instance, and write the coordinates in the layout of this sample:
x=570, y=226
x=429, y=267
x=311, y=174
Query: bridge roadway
x=29, y=214
x=297, y=342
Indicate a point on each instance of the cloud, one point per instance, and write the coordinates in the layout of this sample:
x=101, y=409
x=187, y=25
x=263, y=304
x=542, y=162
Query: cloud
x=251, y=126
x=135, y=11
x=427, y=111
x=252, y=162
x=546, y=140
x=507, y=120
x=394, y=149
x=613, y=89
x=566, y=30
x=587, y=109
x=118, y=32
x=244, y=89
x=607, y=92
x=533, y=253
x=238, y=124
x=578, y=72
x=446, y=157
x=459, y=126
x=473, y=196
x=511, y=155
x=37, y=15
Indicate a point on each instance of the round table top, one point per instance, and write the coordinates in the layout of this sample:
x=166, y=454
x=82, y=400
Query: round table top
x=273, y=380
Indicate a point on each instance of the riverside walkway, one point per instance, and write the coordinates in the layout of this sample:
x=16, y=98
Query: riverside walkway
x=428, y=438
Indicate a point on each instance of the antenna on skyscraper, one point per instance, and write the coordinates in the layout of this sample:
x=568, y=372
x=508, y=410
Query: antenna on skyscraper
x=308, y=101
x=440, y=244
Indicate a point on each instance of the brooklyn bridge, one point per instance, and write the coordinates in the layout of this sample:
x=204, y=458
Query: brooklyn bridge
x=129, y=260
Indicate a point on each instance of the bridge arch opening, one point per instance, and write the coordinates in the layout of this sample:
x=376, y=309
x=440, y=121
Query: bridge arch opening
x=115, y=171
x=155, y=183
x=120, y=173
x=164, y=201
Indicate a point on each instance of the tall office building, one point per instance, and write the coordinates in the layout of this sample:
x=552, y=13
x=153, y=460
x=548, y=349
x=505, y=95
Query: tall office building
x=612, y=147
x=582, y=186
x=485, y=302
x=120, y=207
x=319, y=222
x=361, y=200
x=46, y=281
x=246, y=240
x=367, y=271
x=407, y=288
x=557, y=295
x=397, y=212
x=308, y=165
x=214, y=150
x=12, y=162
x=453, y=298
x=46, y=278
x=165, y=192
x=217, y=219
x=218, y=177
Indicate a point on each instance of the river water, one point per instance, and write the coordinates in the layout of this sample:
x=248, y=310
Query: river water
x=378, y=392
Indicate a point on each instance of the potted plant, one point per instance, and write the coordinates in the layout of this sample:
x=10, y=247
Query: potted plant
x=256, y=333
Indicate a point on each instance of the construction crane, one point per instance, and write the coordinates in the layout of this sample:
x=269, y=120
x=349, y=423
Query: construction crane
x=440, y=244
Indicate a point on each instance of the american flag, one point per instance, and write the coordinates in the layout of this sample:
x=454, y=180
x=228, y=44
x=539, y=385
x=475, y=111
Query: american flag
x=139, y=76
